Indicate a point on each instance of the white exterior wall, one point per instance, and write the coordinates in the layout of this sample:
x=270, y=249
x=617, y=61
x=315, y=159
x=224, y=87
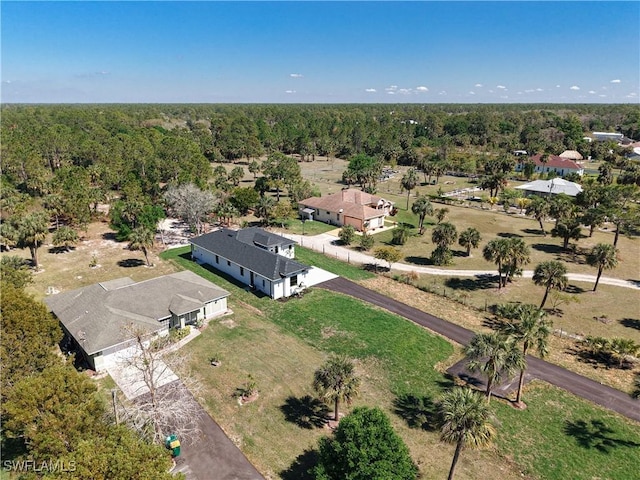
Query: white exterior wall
x=375, y=223
x=331, y=218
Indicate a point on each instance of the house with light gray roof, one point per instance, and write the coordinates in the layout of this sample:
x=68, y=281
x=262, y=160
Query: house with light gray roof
x=99, y=319
x=255, y=257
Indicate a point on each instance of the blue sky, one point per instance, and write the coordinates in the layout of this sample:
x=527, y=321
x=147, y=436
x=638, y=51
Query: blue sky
x=321, y=52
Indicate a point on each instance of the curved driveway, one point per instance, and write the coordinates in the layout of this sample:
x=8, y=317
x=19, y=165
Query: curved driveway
x=577, y=384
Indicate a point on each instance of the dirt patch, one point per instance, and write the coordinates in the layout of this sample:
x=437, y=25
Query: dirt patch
x=228, y=323
x=251, y=308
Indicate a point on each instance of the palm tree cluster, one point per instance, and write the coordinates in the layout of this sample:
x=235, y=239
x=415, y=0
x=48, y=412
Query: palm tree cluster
x=510, y=255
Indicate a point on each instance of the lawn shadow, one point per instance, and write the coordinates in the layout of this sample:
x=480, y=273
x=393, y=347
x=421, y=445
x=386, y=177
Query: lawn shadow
x=635, y=282
x=574, y=289
x=306, y=412
x=131, y=262
x=599, y=359
x=459, y=253
x=301, y=466
x=418, y=412
x=479, y=282
x=630, y=323
x=418, y=260
x=594, y=434
x=110, y=236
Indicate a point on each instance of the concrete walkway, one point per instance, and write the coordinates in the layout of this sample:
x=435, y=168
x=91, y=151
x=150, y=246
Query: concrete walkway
x=577, y=384
x=326, y=243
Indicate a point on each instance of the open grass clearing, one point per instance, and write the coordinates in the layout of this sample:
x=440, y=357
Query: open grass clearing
x=562, y=349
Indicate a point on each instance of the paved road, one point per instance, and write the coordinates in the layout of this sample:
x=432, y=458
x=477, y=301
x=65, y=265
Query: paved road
x=577, y=384
x=326, y=243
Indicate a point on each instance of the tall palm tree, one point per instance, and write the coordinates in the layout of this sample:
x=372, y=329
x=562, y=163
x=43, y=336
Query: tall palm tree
x=141, y=238
x=518, y=255
x=530, y=327
x=539, y=208
x=422, y=207
x=336, y=381
x=469, y=238
x=409, y=182
x=567, y=230
x=497, y=251
x=604, y=257
x=466, y=422
x=495, y=355
x=552, y=275
x=444, y=234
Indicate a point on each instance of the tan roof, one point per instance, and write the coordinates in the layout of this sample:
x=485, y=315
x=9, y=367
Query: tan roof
x=571, y=155
x=353, y=203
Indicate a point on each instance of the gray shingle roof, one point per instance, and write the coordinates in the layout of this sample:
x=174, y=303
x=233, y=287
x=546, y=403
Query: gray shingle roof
x=240, y=248
x=97, y=316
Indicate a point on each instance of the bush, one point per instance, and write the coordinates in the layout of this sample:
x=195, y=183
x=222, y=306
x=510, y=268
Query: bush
x=400, y=235
x=347, y=234
x=441, y=256
x=366, y=242
x=364, y=446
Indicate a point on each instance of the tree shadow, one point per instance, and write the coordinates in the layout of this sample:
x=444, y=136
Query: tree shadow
x=599, y=359
x=479, y=282
x=635, y=282
x=548, y=248
x=574, y=289
x=536, y=232
x=418, y=412
x=301, y=466
x=131, y=262
x=459, y=253
x=509, y=235
x=630, y=323
x=418, y=260
x=110, y=236
x=58, y=250
x=306, y=412
x=594, y=434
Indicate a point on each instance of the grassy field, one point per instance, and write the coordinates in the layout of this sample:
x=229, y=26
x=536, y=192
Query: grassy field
x=309, y=257
x=281, y=343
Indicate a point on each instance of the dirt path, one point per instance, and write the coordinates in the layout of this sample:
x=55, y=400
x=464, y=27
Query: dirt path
x=577, y=384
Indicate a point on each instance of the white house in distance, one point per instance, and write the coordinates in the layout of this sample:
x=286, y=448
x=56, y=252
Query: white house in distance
x=254, y=257
x=554, y=186
x=101, y=318
x=348, y=207
x=561, y=166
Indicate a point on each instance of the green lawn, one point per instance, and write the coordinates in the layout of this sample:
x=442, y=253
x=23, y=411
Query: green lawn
x=559, y=437
x=281, y=343
x=338, y=267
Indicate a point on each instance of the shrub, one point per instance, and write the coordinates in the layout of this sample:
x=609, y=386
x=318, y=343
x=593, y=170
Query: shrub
x=347, y=234
x=366, y=242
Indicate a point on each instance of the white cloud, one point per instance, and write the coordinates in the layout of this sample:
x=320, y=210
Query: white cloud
x=490, y=91
x=290, y=91
x=404, y=91
x=501, y=87
x=443, y=92
x=557, y=86
x=422, y=89
x=539, y=89
x=632, y=95
x=478, y=85
x=472, y=93
x=602, y=96
x=391, y=88
x=370, y=90
x=6, y=81
x=296, y=75
x=574, y=87
x=617, y=80
x=391, y=92
x=530, y=90
x=592, y=92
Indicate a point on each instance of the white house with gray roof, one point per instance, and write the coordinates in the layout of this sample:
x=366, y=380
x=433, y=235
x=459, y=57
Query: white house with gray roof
x=99, y=319
x=254, y=257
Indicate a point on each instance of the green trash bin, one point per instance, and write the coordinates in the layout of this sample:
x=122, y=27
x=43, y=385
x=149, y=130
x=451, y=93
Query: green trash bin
x=173, y=444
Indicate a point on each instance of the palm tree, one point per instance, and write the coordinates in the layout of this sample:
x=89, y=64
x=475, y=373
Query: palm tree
x=552, y=275
x=65, y=237
x=466, y=422
x=497, y=251
x=335, y=381
x=518, y=255
x=469, y=238
x=409, y=182
x=264, y=209
x=422, y=207
x=441, y=213
x=539, y=208
x=31, y=233
x=531, y=328
x=141, y=238
x=604, y=257
x=494, y=355
x=567, y=229
x=444, y=234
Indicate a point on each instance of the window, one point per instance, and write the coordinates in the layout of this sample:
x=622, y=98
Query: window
x=262, y=283
x=217, y=259
x=293, y=281
x=242, y=271
x=228, y=263
x=328, y=213
x=276, y=250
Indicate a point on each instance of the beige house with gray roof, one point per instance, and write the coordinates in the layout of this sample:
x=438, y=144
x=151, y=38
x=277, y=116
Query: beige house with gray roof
x=99, y=319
